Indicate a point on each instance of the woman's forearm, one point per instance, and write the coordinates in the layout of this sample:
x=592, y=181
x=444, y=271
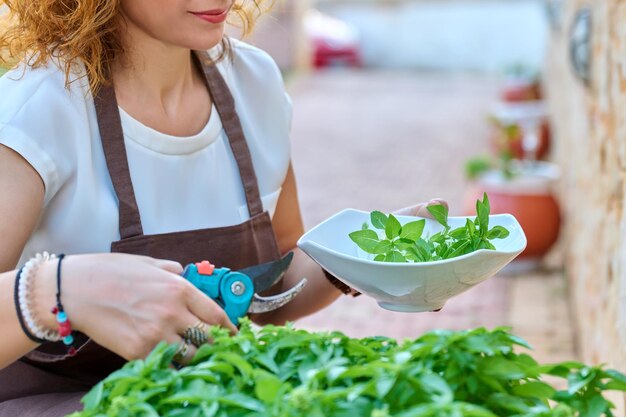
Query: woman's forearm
x=317, y=294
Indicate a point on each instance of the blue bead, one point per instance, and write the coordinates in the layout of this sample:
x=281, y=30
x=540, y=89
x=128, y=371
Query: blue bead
x=61, y=317
x=68, y=340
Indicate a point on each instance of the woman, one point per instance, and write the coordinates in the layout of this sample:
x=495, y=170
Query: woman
x=118, y=134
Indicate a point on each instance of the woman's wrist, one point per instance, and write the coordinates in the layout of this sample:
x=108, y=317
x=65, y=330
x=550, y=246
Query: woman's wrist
x=345, y=289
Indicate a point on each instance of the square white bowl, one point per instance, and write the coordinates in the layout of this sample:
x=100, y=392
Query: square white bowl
x=408, y=287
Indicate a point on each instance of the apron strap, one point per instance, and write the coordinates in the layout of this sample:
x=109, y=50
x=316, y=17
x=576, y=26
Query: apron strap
x=225, y=104
x=112, y=138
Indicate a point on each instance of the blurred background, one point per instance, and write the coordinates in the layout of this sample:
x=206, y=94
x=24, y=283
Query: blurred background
x=400, y=101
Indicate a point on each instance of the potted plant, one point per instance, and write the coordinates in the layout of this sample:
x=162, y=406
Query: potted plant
x=519, y=120
x=508, y=138
x=524, y=189
x=521, y=84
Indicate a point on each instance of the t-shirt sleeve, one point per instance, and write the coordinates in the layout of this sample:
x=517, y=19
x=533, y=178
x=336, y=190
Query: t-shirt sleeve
x=36, y=121
x=17, y=139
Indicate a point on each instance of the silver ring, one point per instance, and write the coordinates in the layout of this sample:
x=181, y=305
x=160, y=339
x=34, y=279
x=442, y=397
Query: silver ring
x=197, y=334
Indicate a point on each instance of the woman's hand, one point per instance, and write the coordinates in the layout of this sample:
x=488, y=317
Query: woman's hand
x=128, y=303
x=421, y=209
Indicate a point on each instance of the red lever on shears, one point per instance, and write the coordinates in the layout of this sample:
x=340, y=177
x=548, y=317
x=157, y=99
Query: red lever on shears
x=205, y=268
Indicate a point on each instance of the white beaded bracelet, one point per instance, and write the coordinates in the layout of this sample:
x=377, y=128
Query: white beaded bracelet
x=26, y=283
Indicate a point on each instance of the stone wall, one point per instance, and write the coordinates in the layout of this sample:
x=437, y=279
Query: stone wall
x=590, y=125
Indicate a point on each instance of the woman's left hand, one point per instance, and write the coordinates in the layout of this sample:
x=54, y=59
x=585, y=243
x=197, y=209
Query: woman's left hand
x=421, y=209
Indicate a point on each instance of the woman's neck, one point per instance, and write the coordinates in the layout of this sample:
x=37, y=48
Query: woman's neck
x=158, y=71
x=159, y=85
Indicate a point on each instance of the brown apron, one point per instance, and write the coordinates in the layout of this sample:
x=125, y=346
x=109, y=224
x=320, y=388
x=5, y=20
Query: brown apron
x=48, y=384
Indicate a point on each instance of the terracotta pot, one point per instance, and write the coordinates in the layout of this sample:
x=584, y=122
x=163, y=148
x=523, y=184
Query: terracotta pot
x=510, y=140
x=519, y=90
x=530, y=198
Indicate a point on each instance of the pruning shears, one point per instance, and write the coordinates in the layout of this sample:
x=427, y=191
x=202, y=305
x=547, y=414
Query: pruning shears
x=236, y=291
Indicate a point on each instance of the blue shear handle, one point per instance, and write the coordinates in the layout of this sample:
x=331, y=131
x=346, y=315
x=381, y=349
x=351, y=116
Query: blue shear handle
x=236, y=306
x=219, y=287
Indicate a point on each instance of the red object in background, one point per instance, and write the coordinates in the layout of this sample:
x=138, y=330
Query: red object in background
x=326, y=55
x=507, y=139
x=532, y=202
x=520, y=90
x=333, y=41
x=538, y=215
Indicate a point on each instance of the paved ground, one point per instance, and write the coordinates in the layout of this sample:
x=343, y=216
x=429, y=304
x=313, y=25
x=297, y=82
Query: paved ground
x=385, y=140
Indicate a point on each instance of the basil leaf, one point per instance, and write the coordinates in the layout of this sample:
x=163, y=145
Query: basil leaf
x=483, y=244
x=498, y=232
x=395, y=256
x=440, y=213
x=413, y=230
x=470, y=227
x=535, y=389
x=439, y=238
x=459, y=233
x=458, y=249
x=442, y=250
x=411, y=254
x=393, y=227
x=367, y=240
x=94, y=397
x=424, y=249
x=618, y=380
x=403, y=244
x=486, y=202
x=382, y=247
x=482, y=212
x=267, y=386
x=379, y=220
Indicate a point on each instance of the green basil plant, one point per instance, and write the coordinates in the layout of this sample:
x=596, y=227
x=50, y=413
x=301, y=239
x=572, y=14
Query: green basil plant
x=285, y=372
x=406, y=243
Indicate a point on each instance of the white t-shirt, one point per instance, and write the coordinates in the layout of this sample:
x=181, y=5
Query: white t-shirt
x=180, y=183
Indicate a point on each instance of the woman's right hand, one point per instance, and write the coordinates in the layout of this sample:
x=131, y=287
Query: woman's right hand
x=129, y=303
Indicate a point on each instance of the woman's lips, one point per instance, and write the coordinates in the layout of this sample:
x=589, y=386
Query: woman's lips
x=212, y=16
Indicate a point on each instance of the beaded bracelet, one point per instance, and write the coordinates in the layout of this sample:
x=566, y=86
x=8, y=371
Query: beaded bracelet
x=24, y=283
x=64, y=325
x=345, y=289
x=19, y=310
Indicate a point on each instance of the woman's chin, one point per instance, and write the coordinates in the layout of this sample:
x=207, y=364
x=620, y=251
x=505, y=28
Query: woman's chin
x=203, y=43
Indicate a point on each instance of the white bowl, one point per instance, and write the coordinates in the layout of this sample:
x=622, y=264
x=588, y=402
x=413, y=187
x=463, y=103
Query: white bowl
x=408, y=287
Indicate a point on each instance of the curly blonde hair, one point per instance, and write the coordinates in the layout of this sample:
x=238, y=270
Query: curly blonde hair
x=87, y=31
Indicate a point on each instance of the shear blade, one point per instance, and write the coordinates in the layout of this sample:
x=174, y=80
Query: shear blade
x=264, y=304
x=265, y=276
